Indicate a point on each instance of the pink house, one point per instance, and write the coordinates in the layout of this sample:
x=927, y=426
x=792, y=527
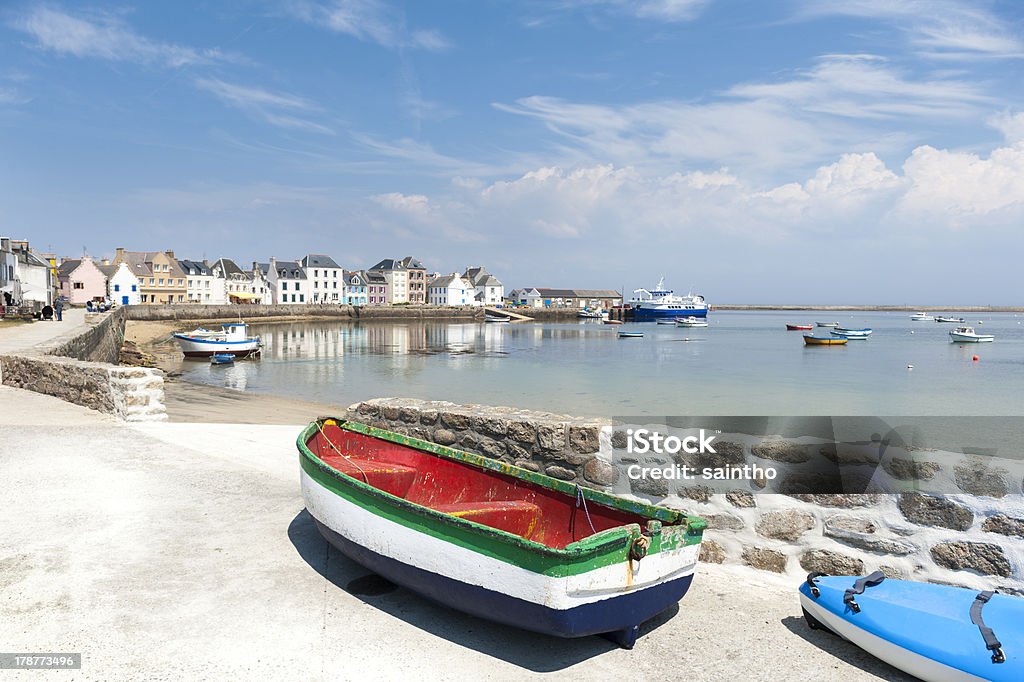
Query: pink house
x=81, y=280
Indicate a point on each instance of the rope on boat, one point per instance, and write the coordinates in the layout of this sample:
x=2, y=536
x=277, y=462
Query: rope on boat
x=320, y=428
x=580, y=498
x=638, y=550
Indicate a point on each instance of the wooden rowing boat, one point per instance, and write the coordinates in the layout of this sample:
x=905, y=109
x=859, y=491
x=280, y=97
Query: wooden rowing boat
x=799, y=327
x=495, y=540
x=822, y=341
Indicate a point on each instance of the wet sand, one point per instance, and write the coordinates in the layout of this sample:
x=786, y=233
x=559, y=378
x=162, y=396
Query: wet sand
x=197, y=403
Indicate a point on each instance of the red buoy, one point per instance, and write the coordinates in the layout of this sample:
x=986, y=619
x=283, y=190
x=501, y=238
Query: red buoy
x=975, y=358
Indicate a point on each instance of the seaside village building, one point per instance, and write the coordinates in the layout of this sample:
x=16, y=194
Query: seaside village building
x=161, y=279
x=487, y=289
x=260, y=288
x=326, y=278
x=417, y=276
x=80, y=280
x=26, y=278
x=536, y=297
x=288, y=282
x=449, y=290
x=122, y=284
x=200, y=284
x=376, y=288
x=355, y=285
x=236, y=283
x=396, y=277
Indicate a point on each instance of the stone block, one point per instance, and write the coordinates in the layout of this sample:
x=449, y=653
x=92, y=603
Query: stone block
x=551, y=437
x=980, y=557
x=765, y=559
x=788, y=524
x=711, y=552
x=926, y=510
x=740, y=498
x=1004, y=525
x=781, y=451
x=560, y=473
x=522, y=432
x=585, y=439
x=910, y=470
x=455, y=420
x=832, y=563
x=599, y=472
x=978, y=476
x=862, y=533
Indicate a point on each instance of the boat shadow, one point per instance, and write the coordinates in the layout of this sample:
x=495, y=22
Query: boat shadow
x=834, y=645
x=528, y=650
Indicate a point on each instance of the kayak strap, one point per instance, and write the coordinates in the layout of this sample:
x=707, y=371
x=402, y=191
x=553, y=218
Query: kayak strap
x=811, y=577
x=862, y=584
x=991, y=643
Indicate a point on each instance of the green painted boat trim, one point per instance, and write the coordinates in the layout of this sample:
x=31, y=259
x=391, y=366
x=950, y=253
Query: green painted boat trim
x=605, y=548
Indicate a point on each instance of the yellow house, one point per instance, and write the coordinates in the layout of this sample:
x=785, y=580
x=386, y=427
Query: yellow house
x=161, y=279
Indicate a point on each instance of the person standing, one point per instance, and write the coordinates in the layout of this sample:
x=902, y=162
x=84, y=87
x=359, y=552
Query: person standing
x=58, y=307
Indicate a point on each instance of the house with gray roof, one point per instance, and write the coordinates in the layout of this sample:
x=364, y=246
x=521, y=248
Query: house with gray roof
x=397, y=277
x=288, y=283
x=326, y=279
x=487, y=289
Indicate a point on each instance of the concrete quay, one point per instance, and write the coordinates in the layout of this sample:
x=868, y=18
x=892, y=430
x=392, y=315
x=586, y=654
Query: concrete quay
x=167, y=551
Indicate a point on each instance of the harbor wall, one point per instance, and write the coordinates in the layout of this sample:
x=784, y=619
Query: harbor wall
x=973, y=538
x=249, y=313
x=84, y=371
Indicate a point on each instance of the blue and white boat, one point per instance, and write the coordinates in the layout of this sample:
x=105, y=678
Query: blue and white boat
x=233, y=338
x=934, y=632
x=663, y=303
x=851, y=333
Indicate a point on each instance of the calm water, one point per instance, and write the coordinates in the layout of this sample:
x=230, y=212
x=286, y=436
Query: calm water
x=744, y=364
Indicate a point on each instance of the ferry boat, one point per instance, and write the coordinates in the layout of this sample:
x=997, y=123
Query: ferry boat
x=233, y=338
x=661, y=302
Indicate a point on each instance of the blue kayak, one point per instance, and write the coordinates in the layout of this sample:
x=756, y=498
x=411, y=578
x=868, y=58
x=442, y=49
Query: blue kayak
x=934, y=632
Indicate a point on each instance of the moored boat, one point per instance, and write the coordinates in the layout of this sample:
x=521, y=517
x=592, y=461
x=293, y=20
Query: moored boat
x=233, y=338
x=691, y=322
x=799, y=327
x=661, y=302
x=950, y=320
x=631, y=335
x=494, y=540
x=667, y=321
x=934, y=632
x=222, y=359
x=968, y=335
x=922, y=317
x=587, y=313
x=613, y=321
x=827, y=324
x=851, y=333
x=824, y=340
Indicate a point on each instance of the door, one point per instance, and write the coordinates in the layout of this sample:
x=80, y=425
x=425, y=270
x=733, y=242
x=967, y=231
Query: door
x=124, y=300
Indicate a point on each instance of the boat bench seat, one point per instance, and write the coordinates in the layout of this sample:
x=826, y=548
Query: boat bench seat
x=391, y=478
x=512, y=516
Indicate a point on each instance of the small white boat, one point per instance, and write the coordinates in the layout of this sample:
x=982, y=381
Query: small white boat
x=950, y=320
x=666, y=321
x=691, y=322
x=589, y=314
x=631, y=335
x=828, y=324
x=233, y=338
x=852, y=333
x=495, y=319
x=968, y=335
x=922, y=317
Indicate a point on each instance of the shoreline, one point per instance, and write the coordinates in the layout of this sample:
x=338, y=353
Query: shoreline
x=870, y=308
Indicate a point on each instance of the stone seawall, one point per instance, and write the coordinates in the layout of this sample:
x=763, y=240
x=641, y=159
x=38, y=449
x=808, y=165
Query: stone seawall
x=974, y=538
x=102, y=343
x=249, y=313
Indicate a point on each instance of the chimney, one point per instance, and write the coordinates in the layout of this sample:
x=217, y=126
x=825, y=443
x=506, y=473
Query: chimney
x=106, y=261
x=170, y=254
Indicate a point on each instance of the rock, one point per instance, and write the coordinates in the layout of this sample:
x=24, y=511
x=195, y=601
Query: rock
x=893, y=572
x=491, y=448
x=910, y=470
x=788, y=525
x=654, y=487
x=711, y=552
x=699, y=493
x=523, y=432
x=529, y=466
x=765, y=559
x=926, y=510
x=1004, y=525
x=620, y=441
x=389, y=412
x=551, y=436
x=585, y=439
x=740, y=498
x=723, y=521
x=490, y=426
x=516, y=452
x=469, y=442
x=408, y=415
x=848, y=501
x=848, y=453
x=781, y=451
x=860, y=533
x=368, y=410
x=980, y=557
x=428, y=417
x=599, y=471
x=831, y=563
x=802, y=483
x=455, y=421
x=443, y=437
x=560, y=472
x=978, y=476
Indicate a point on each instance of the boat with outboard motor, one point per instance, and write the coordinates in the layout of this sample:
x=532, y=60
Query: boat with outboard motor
x=233, y=338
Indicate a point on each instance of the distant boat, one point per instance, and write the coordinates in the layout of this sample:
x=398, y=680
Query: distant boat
x=631, y=335
x=613, y=321
x=851, y=336
x=852, y=333
x=666, y=322
x=823, y=341
x=591, y=314
x=828, y=324
x=799, y=327
x=662, y=302
x=968, y=335
x=495, y=318
x=950, y=320
x=222, y=359
x=691, y=322
x=233, y=338
x=922, y=317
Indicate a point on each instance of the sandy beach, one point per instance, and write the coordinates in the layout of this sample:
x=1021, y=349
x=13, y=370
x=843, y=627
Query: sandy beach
x=195, y=403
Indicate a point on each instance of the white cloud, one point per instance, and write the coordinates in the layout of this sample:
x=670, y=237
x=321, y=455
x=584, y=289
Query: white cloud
x=265, y=105
x=1010, y=125
x=104, y=36
x=659, y=10
x=368, y=20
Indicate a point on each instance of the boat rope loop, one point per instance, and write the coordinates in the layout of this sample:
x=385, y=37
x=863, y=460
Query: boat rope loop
x=991, y=643
x=638, y=550
x=811, y=577
x=320, y=427
x=872, y=580
x=581, y=500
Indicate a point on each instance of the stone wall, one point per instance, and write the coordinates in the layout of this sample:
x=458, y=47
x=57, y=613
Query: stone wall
x=207, y=313
x=130, y=393
x=974, y=538
x=102, y=343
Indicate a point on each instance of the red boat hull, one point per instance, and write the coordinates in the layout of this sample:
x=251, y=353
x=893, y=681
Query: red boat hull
x=799, y=327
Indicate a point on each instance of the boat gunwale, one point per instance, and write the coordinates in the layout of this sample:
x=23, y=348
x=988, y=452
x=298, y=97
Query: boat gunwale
x=616, y=537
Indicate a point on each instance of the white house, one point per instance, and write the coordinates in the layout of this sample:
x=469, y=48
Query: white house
x=530, y=297
x=449, y=290
x=122, y=284
x=237, y=283
x=325, y=277
x=487, y=289
x=288, y=282
x=200, y=284
x=261, y=288
x=36, y=276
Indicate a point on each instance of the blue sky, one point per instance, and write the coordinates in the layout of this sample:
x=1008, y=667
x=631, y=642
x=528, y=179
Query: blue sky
x=793, y=151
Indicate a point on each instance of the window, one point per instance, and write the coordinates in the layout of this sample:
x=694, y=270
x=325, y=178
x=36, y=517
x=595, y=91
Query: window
x=134, y=288
x=180, y=298
x=179, y=282
x=161, y=281
x=315, y=284
x=293, y=298
x=145, y=299
x=316, y=273
x=302, y=298
x=152, y=281
x=117, y=287
x=284, y=286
